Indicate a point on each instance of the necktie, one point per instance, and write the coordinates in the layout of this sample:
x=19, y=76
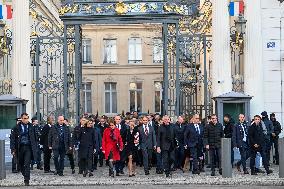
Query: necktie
x=197, y=128
x=146, y=131
x=245, y=135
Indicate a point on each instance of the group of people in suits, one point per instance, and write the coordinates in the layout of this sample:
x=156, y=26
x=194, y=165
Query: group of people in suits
x=148, y=141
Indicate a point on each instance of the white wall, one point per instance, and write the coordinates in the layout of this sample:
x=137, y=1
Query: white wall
x=272, y=14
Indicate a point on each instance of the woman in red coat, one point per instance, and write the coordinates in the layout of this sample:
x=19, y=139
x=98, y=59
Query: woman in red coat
x=111, y=145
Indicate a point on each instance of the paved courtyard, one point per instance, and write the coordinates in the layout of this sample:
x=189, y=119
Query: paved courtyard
x=178, y=180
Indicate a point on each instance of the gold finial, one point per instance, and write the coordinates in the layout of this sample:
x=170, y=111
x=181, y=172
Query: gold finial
x=121, y=8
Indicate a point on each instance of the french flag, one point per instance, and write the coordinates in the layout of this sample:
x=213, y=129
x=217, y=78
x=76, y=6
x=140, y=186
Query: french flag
x=5, y=12
x=236, y=8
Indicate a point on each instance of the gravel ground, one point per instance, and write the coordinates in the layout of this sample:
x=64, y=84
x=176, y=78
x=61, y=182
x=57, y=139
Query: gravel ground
x=101, y=178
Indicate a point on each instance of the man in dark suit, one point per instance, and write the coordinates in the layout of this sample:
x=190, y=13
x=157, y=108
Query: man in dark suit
x=166, y=144
x=147, y=139
x=119, y=166
x=59, y=141
x=257, y=144
x=213, y=134
x=44, y=142
x=193, y=139
x=240, y=140
x=179, y=128
x=101, y=126
x=25, y=139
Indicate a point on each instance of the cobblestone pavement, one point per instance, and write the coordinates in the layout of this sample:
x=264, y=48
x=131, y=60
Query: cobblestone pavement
x=101, y=178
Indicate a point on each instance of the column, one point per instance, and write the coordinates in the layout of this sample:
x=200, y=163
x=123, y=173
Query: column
x=221, y=57
x=21, y=53
x=253, y=67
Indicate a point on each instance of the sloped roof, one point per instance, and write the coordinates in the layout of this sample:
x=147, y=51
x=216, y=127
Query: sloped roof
x=10, y=97
x=233, y=94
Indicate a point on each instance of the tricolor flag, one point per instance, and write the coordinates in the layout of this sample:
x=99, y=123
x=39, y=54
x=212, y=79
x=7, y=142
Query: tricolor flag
x=5, y=12
x=236, y=8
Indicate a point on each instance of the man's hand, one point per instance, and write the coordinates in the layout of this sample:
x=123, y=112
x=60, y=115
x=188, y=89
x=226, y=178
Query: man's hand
x=207, y=147
x=13, y=153
x=158, y=150
x=273, y=134
x=50, y=148
x=256, y=145
x=103, y=152
x=95, y=151
x=154, y=147
x=185, y=147
x=70, y=148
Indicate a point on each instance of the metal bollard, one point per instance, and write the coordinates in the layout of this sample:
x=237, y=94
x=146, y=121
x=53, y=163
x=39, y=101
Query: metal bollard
x=281, y=157
x=226, y=158
x=2, y=160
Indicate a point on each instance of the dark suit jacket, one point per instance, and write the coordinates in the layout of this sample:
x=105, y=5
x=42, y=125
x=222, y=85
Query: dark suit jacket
x=53, y=137
x=15, y=139
x=166, y=137
x=191, y=137
x=123, y=132
x=44, y=136
x=179, y=132
x=238, y=134
x=147, y=142
x=213, y=135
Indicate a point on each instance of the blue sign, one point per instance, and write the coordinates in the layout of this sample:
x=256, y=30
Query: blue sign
x=270, y=45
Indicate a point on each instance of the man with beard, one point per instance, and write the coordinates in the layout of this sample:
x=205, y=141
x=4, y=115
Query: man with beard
x=275, y=136
x=44, y=142
x=166, y=144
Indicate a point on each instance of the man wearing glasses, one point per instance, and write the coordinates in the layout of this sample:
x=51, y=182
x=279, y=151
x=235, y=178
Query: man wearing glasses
x=25, y=139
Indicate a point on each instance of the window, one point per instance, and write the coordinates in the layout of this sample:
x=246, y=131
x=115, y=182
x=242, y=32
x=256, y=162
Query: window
x=87, y=97
x=157, y=50
x=110, y=54
x=158, y=95
x=134, y=50
x=86, y=50
x=110, y=98
x=135, y=91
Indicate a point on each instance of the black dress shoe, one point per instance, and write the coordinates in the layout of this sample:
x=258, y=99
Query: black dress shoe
x=121, y=172
x=27, y=182
x=117, y=174
x=147, y=173
x=220, y=171
x=253, y=173
x=55, y=173
x=39, y=167
x=196, y=172
x=90, y=174
x=73, y=171
x=246, y=172
x=213, y=173
x=60, y=174
x=14, y=171
x=269, y=172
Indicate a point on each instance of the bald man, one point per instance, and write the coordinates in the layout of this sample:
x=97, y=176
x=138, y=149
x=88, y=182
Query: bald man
x=59, y=141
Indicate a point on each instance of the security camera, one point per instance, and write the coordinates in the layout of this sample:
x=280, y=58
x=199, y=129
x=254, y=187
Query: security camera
x=22, y=83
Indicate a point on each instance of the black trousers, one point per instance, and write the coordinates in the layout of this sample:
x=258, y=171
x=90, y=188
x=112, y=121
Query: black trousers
x=275, y=142
x=71, y=160
x=193, y=154
x=58, y=157
x=179, y=156
x=46, y=159
x=25, y=155
x=168, y=157
x=215, y=157
x=86, y=164
x=245, y=154
x=253, y=152
x=147, y=157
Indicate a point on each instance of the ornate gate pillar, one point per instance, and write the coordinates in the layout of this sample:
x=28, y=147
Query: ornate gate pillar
x=221, y=66
x=21, y=84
